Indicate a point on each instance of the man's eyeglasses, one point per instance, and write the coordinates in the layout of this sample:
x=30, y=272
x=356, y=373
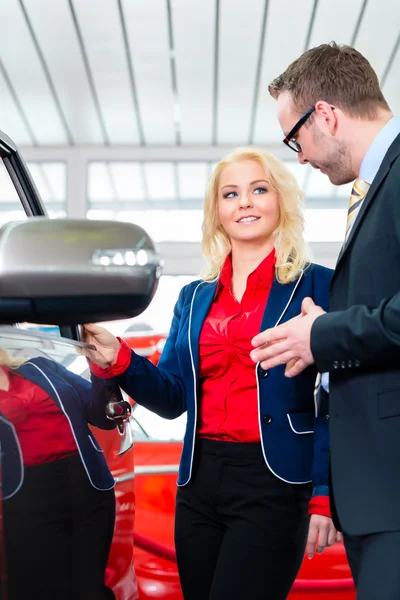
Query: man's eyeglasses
x=289, y=139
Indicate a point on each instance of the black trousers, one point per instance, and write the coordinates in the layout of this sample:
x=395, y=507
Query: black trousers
x=58, y=531
x=375, y=564
x=240, y=532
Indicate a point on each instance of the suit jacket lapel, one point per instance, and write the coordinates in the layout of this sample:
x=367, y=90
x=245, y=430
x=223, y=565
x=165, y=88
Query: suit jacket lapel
x=384, y=169
x=201, y=303
x=36, y=376
x=278, y=302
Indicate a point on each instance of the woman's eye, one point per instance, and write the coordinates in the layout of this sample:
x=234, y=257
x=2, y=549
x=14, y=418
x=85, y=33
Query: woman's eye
x=230, y=194
x=260, y=190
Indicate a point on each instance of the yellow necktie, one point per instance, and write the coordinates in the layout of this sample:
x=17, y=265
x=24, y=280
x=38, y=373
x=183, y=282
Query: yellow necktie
x=358, y=193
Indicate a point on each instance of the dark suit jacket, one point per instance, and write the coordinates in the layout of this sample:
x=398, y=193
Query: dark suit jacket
x=359, y=344
x=294, y=438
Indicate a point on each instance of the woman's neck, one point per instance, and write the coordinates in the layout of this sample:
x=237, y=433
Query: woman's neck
x=246, y=259
x=4, y=381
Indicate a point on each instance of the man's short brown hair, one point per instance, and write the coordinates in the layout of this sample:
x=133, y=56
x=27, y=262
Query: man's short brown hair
x=337, y=74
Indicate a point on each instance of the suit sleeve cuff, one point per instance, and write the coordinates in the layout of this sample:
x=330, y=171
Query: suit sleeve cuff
x=120, y=366
x=321, y=344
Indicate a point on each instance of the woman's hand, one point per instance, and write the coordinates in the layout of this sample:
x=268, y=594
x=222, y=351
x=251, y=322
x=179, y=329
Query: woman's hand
x=107, y=346
x=321, y=530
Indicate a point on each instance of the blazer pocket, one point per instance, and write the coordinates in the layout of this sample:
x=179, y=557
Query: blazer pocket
x=301, y=423
x=389, y=404
x=95, y=444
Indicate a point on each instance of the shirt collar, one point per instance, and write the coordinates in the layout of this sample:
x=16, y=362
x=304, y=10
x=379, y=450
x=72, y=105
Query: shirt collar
x=264, y=272
x=377, y=150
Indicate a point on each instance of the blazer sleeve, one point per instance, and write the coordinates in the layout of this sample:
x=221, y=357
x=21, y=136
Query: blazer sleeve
x=158, y=388
x=93, y=395
x=370, y=336
x=320, y=466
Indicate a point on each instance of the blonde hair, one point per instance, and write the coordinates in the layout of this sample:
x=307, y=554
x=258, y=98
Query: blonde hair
x=291, y=250
x=12, y=362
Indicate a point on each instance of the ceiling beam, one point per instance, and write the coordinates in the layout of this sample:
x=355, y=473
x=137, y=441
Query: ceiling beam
x=141, y=153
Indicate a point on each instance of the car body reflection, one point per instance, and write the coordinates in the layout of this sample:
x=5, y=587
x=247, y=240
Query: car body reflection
x=46, y=349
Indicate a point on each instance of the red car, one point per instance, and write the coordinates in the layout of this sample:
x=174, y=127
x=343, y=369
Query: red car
x=34, y=294
x=156, y=465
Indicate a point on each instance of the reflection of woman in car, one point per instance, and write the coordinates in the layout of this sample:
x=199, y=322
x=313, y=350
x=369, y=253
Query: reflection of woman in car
x=255, y=457
x=57, y=491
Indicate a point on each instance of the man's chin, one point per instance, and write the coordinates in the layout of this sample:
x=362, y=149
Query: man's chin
x=336, y=178
x=321, y=170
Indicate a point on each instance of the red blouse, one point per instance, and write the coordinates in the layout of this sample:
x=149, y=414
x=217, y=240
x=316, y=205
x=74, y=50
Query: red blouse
x=43, y=430
x=228, y=407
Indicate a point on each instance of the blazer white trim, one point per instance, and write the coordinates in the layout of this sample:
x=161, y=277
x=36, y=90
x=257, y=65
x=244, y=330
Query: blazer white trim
x=70, y=424
x=295, y=430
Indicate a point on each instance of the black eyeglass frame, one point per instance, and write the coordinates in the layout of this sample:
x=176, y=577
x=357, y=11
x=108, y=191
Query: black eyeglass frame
x=289, y=141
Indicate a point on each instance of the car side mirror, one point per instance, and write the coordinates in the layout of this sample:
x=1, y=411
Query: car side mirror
x=70, y=271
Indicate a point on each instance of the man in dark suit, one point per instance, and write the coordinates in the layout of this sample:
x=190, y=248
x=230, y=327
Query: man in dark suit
x=335, y=117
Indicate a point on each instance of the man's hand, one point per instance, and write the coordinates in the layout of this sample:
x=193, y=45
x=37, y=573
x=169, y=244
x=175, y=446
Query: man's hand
x=107, y=345
x=321, y=535
x=288, y=344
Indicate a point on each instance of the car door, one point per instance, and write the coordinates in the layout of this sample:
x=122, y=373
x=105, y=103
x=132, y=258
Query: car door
x=25, y=342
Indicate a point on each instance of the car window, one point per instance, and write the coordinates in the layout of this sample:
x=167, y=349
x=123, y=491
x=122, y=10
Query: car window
x=10, y=205
x=50, y=180
x=30, y=341
x=54, y=330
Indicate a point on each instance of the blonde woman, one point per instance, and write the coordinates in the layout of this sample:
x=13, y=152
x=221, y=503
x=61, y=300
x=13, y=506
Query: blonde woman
x=56, y=489
x=255, y=455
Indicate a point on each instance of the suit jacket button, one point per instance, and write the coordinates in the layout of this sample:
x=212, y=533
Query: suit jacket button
x=262, y=371
x=343, y=364
x=335, y=364
x=267, y=419
x=350, y=363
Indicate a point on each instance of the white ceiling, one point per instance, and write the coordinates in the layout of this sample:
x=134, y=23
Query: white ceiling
x=170, y=72
x=122, y=106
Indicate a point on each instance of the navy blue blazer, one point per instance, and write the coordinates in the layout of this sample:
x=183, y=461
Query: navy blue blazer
x=81, y=402
x=294, y=433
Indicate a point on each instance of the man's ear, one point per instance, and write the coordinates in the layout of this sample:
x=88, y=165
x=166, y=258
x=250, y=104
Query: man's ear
x=327, y=115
